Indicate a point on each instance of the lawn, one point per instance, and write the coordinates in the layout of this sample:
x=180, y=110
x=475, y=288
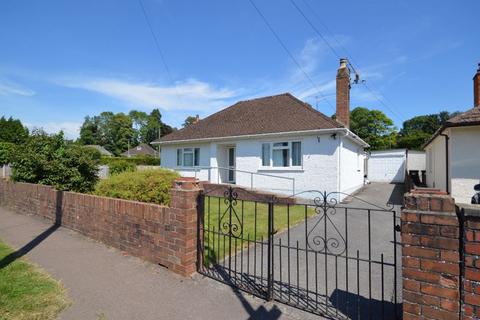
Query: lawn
x=253, y=216
x=26, y=292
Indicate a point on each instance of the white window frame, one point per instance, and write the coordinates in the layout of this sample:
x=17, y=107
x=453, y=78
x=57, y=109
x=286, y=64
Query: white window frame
x=289, y=147
x=187, y=150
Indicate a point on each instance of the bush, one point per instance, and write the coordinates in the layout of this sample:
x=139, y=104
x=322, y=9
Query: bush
x=138, y=160
x=50, y=160
x=121, y=166
x=6, y=152
x=151, y=185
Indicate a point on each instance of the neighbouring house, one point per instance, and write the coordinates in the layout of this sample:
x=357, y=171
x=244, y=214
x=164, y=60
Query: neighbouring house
x=453, y=152
x=391, y=165
x=276, y=143
x=103, y=151
x=141, y=150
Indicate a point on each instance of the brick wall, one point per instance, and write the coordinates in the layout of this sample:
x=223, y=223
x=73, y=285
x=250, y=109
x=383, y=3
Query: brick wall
x=430, y=256
x=471, y=282
x=160, y=234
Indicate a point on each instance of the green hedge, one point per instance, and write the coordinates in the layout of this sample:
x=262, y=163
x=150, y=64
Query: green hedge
x=121, y=166
x=138, y=160
x=151, y=185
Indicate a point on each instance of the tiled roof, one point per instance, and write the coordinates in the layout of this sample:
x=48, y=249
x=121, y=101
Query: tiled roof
x=273, y=114
x=141, y=149
x=467, y=118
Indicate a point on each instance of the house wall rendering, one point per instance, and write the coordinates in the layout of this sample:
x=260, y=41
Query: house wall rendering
x=465, y=162
x=318, y=171
x=436, y=164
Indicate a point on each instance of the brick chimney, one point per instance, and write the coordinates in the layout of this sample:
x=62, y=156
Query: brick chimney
x=343, y=93
x=476, y=88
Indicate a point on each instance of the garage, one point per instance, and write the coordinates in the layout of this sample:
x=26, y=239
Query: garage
x=387, y=166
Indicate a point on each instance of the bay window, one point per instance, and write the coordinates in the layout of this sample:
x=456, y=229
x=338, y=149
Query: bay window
x=282, y=154
x=188, y=157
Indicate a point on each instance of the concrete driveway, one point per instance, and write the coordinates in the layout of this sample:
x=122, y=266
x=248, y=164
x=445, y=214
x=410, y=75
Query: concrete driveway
x=346, y=281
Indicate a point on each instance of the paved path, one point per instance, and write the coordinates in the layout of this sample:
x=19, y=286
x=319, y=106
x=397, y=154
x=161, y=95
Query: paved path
x=105, y=284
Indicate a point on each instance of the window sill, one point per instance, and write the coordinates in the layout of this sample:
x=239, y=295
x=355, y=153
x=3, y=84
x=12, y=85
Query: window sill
x=280, y=169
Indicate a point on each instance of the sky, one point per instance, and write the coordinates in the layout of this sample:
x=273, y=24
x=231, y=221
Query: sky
x=63, y=60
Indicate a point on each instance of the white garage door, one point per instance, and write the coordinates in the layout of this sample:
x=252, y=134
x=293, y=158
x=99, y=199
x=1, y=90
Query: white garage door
x=388, y=167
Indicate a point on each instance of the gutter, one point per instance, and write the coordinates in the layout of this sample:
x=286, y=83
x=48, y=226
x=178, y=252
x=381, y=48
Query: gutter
x=346, y=131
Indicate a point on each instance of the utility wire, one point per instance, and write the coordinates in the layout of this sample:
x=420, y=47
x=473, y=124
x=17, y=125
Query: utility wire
x=157, y=45
x=350, y=59
x=315, y=86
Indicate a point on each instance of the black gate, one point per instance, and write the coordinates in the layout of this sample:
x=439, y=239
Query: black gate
x=322, y=256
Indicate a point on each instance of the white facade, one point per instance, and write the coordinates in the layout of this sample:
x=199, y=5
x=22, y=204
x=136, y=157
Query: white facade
x=463, y=162
x=331, y=160
x=387, y=166
x=416, y=160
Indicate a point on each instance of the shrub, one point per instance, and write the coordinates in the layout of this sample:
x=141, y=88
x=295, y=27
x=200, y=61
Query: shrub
x=121, y=166
x=50, y=160
x=138, y=160
x=6, y=152
x=151, y=185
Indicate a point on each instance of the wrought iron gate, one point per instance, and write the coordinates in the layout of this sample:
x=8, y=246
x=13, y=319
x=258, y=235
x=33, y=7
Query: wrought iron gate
x=322, y=256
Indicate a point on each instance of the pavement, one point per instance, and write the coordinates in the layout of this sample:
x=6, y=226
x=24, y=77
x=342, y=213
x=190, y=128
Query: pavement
x=105, y=283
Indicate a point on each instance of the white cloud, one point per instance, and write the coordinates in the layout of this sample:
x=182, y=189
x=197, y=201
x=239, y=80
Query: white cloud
x=8, y=88
x=187, y=95
x=70, y=129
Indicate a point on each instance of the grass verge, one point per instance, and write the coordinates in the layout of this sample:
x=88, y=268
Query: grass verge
x=27, y=292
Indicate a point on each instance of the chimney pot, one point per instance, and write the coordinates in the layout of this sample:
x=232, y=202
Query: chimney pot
x=343, y=93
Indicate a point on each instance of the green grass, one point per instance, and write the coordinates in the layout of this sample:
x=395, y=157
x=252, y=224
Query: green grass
x=27, y=292
x=255, y=225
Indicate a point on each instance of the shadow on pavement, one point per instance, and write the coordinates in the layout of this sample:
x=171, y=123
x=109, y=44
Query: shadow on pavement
x=396, y=197
x=259, y=313
x=354, y=306
x=38, y=239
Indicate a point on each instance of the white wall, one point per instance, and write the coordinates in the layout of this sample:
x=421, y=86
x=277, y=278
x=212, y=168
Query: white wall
x=387, y=166
x=169, y=160
x=318, y=172
x=416, y=160
x=436, y=163
x=352, y=166
x=464, y=162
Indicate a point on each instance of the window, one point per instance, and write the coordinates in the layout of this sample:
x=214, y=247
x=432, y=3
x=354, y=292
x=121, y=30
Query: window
x=282, y=154
x=188, y=157
x=266, y=154
x=296, y=154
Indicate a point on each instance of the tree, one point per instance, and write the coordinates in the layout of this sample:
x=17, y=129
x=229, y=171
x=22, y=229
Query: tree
x=49, y=160
x=6, y=152
x=116, y=132
x=190, y=120
x=374, y=127
x=417, y=130
x=12, y=130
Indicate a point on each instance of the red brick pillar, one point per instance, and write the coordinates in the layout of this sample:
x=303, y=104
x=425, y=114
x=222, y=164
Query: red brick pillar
x=430, y=256
x=182, y=233
x=471, y=282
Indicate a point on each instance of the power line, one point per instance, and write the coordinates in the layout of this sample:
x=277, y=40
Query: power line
x=290, y=54
x=157, y=43
x=350, y=59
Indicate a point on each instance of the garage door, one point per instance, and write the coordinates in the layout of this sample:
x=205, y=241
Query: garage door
x=387, y=168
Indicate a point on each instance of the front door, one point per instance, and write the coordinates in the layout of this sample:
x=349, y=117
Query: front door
x=231, y=164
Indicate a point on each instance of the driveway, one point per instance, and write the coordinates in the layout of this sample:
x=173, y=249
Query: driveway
x=350, y=281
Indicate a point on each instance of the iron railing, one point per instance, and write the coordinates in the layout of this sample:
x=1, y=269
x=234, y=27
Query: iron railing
x=197, y=171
